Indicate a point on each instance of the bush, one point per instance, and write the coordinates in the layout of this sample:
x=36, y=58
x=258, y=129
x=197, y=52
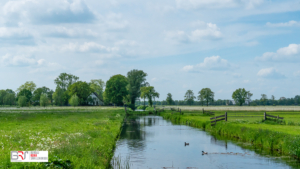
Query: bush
x=142, y=107
x=131, y=106
x=22, y=101
x=150, y=109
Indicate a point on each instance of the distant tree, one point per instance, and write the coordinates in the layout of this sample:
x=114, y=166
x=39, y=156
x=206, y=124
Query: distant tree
x=240, y=96
x=29, y=85
x=22, y=101
x=44, y=100
x=74, y=100
x=169, y=99
x=297, y=99
x=136, y=79
x=26, y=93
x=98, y=87
x=9, y=99
x=201, y=99
x=37, y=94
x=207, y=95
x=189, y=97
x=82, y=90
x=2, y=96
x=273, y=99
x=149, y=93
x=64, y=80
x=116, y=89
x=264, y=98
x=249, y=95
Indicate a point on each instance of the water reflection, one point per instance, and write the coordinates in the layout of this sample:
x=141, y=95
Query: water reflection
x=152, y=142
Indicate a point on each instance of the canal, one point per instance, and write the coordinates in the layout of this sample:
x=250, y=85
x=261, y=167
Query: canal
x=152, y=142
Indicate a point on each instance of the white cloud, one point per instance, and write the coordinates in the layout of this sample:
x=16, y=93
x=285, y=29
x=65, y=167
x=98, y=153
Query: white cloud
x=289, y=53
x=63, y=32
x=285, y=24
x=246, y=81
x=18, y=60
x=196, y=4
x=270, y=73
x=88, y=47
x=237, y=75
x=297, y=73
x=210, y=63
x=208, y=32
x=45, y=66
x=15, y=36
x=47, y=12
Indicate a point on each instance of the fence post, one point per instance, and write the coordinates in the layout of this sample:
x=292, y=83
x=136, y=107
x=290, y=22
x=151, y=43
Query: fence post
x=180, y=111
x=202, y=110
x=277, y=117
x=225, y=116
x=265, y=117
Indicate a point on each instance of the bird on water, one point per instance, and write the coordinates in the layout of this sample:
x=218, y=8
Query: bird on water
x=204, y=152
x=186, y=144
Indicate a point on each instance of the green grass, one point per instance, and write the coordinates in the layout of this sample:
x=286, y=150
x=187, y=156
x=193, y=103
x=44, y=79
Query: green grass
x=250, y=127
x=85, y=136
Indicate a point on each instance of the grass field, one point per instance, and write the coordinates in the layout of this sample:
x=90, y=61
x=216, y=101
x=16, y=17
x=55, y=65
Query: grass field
x=248, y=126
x=85, y=136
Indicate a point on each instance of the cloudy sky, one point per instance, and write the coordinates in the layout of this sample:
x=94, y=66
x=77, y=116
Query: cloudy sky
x=181, y=44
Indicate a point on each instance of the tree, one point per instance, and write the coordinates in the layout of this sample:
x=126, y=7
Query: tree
x=2, y=96
x=189, y=97
x=29, y=85
x=22, y=101
x=9, y=99
x=74, y=100
x=240, y=96
x=59, y=96
x=82, y=90
x=264, y=98
x=44, y=100
x=98, y=86
x=169, y=99
x=64, y=80
x=248, y=97
x=116, y=89
x=136, y=79
x=207, y=95
x=38, y=92
x=297, y=99
x=149, y=93
x=273, y=99
x=201, y=99
x=27, y=94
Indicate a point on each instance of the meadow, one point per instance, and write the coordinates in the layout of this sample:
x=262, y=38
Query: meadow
x=282, y=136
x=81, y=137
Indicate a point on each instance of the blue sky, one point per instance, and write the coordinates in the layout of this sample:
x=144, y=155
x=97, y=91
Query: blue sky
x=181, y=44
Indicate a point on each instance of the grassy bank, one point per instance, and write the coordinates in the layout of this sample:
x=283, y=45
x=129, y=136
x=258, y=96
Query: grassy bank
x=85, y=136
x=275, y=136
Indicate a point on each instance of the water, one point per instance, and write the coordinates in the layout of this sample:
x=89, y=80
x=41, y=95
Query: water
x=152, y=142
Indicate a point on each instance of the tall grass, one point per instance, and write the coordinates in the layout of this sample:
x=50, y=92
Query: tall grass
x=84, y=136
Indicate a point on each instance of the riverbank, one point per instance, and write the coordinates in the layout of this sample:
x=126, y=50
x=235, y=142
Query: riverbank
x=270, y=135
x=81, y=137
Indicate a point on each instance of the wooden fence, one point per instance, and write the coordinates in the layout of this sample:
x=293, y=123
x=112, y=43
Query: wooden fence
x=215, y=119
x=267, y=115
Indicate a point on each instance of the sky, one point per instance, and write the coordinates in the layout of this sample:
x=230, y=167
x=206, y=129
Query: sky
x=181, y=44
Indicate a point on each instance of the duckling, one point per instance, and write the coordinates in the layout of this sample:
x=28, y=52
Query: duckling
x=204, y=152
x=186, y=144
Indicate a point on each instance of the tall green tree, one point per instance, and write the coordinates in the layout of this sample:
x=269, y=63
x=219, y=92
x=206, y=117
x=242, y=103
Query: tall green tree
x=98, y=87
x=249, y=95
x=38, y=92
x=29, y=85
x=136, y=79
x=273, y=99
x=239, y=96
x=207, y=95
x=9, y=99
x=27, y=94
x=116, y=89
x=74, y=100
x=149, y=93
x=44, y=100
x=82, y=90
x=2, y=96
x=169, y=99
x=189, y=97
x=22, y=100
x=264, y=98
x=60, y=96
x=64, y=80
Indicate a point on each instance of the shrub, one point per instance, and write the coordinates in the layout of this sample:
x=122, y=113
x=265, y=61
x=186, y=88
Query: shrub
x=131, y=106
x=150, y=109
x=22, y=101
x=142, y=107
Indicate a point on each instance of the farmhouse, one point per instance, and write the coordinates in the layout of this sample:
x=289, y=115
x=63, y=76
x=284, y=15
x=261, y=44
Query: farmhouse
x=96, y=101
